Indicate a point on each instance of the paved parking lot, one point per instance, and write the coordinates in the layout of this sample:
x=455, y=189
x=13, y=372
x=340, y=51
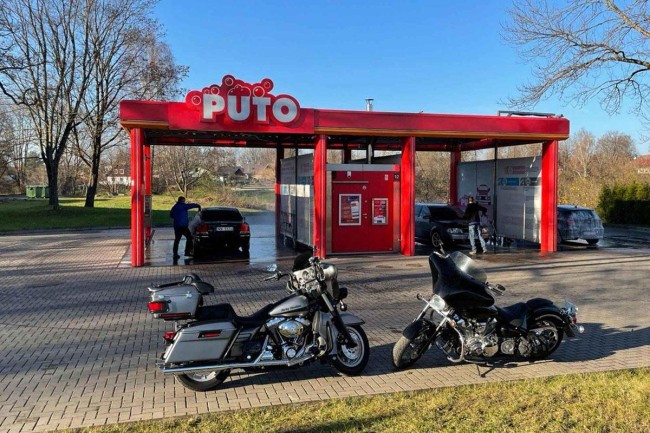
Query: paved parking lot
x=78, y=347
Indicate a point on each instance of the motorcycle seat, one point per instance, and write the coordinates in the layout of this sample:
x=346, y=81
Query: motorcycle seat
x=256, y=319
x=515, y=314
x=227, y=312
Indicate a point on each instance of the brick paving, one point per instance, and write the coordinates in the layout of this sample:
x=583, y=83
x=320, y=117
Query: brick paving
x=78, y=347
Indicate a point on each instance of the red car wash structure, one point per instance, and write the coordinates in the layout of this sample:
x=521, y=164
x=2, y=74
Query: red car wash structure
x=350, y=197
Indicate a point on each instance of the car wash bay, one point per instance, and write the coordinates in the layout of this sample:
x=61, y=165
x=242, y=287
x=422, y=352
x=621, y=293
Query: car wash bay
x=240, y=114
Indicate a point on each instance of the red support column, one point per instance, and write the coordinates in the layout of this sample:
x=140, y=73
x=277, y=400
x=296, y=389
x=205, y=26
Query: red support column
x=454, y=160
x=279, y=155
x=147, y=193
x=407, y=198
x=137, y=197
x=549, y=174
x=320, y=196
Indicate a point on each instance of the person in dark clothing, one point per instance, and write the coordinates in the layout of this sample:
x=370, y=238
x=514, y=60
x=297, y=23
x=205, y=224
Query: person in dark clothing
x=181, y=223
x=473, y=216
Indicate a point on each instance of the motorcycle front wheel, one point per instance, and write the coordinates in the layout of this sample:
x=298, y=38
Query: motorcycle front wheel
x=202, y=382
x=408, y=350
x=352, y=360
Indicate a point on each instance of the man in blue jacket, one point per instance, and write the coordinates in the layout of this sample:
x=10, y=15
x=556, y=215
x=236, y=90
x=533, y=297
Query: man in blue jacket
x=181, y=223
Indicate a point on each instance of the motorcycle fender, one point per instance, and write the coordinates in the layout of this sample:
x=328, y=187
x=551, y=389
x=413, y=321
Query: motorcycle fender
x=415, y=328
x=351, y=319
x=553, y=313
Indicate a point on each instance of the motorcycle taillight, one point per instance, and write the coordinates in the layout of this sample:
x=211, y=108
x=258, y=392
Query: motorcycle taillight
x=169, y=336
x=157, y=307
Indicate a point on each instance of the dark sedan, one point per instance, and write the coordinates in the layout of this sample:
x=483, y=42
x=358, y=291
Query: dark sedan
x=439, y=223
x=220, y=227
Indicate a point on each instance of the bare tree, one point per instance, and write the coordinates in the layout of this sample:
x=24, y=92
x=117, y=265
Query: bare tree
x=181, y=166
x=581, y=49
x=45, y=49
x=16, y=145
x=129, y=62
x=432, y=176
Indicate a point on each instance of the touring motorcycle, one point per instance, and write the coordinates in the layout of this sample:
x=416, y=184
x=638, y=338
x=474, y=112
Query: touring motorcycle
x=208, y=341
x=462, y=320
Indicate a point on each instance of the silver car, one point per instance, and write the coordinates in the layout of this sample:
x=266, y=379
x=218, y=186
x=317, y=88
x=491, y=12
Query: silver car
x=575, y=222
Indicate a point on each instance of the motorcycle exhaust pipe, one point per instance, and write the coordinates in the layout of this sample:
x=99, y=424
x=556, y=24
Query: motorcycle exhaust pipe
x=219, y=367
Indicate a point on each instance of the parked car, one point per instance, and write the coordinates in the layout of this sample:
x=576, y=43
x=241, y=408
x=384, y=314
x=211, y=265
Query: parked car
x=220, y=227
x=575, y=222
x=439, y=223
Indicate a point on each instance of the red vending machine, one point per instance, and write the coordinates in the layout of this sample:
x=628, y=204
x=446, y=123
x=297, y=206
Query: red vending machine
x=363, y=211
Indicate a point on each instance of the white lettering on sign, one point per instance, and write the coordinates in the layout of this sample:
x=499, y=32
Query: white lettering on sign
x=243, y=102
x=239, y=108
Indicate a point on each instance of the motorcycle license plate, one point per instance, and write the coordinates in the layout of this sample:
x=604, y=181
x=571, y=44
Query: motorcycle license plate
x=225, y=229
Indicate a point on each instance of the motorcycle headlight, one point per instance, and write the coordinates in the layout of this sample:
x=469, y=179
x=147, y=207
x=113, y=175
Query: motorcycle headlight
x=438, y=303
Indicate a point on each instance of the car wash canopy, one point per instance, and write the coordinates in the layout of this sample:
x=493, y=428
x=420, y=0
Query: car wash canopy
x=235, y=113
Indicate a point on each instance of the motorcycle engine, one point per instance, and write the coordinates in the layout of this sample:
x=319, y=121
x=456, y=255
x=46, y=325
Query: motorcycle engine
x=480, y=337
x=290, y=332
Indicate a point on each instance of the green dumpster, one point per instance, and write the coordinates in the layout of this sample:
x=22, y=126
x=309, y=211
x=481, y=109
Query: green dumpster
x=38, y=191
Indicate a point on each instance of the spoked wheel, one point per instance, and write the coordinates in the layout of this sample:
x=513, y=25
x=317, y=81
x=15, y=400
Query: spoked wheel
x=544, y=337
x=407, y=351
x=203, y=382
x=436, y=240
x=352, y=360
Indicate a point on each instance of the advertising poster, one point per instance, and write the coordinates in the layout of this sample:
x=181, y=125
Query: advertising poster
x=350, y=209
x=380, y=211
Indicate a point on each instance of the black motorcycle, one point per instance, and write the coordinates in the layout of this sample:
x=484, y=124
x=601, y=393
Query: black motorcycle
x=462, y=320
x=209, y=341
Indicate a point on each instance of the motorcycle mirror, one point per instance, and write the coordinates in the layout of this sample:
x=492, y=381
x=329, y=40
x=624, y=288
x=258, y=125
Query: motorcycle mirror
x=272, y=268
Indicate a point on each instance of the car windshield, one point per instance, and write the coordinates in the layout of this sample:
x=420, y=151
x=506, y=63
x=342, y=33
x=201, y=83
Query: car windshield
x=231, y=215
x=443, y=213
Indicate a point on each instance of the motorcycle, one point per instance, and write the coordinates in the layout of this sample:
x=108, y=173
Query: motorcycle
x=460, y=318
x=208, y=341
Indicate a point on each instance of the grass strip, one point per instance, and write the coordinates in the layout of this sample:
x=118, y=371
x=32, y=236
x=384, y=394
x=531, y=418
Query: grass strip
x=616, y=401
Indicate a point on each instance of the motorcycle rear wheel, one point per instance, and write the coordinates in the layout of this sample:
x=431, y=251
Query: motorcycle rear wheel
x=352, y=361
x=202, y=382
x=408, y=350
x=548, y=336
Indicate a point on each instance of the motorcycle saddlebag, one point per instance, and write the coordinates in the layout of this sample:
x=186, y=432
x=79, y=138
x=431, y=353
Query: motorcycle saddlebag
x=201, y=342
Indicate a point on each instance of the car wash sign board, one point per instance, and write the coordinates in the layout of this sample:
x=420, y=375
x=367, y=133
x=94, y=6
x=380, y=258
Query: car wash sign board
x=239, y=106
x=516, y=191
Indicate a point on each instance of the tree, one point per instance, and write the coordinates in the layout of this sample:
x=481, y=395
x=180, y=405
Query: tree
x=181, y=166
x=582, y=49
x=45, y=53
x=16, y=147
x=432, y=176
x=129, y=62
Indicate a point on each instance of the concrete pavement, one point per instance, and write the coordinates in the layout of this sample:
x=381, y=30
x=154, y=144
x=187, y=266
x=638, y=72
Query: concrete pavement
x=78, y=346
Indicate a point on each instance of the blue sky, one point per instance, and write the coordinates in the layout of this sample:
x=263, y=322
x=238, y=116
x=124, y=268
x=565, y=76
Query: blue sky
x=409, y=56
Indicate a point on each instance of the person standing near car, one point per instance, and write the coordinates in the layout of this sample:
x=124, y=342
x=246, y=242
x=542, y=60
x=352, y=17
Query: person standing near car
x=473, y=216
x=181, y=222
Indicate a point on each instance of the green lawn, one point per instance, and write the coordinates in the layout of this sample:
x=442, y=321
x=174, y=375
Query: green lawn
x=599, y=402
x=36, y=214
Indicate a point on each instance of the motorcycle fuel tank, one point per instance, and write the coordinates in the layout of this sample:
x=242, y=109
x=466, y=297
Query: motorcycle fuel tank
x=294, y=306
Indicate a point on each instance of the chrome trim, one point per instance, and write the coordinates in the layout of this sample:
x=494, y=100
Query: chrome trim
x=220, y=367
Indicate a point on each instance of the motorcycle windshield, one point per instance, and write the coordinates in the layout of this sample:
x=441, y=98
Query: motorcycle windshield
x=468, y=266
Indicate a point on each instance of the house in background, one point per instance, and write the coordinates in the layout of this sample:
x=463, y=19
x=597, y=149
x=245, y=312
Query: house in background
x=642, y=164
x=230, y=175
x=117, y=179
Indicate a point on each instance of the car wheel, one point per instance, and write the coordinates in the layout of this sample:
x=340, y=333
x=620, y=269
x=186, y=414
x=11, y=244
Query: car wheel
x=436, y=239
x=592, y=241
